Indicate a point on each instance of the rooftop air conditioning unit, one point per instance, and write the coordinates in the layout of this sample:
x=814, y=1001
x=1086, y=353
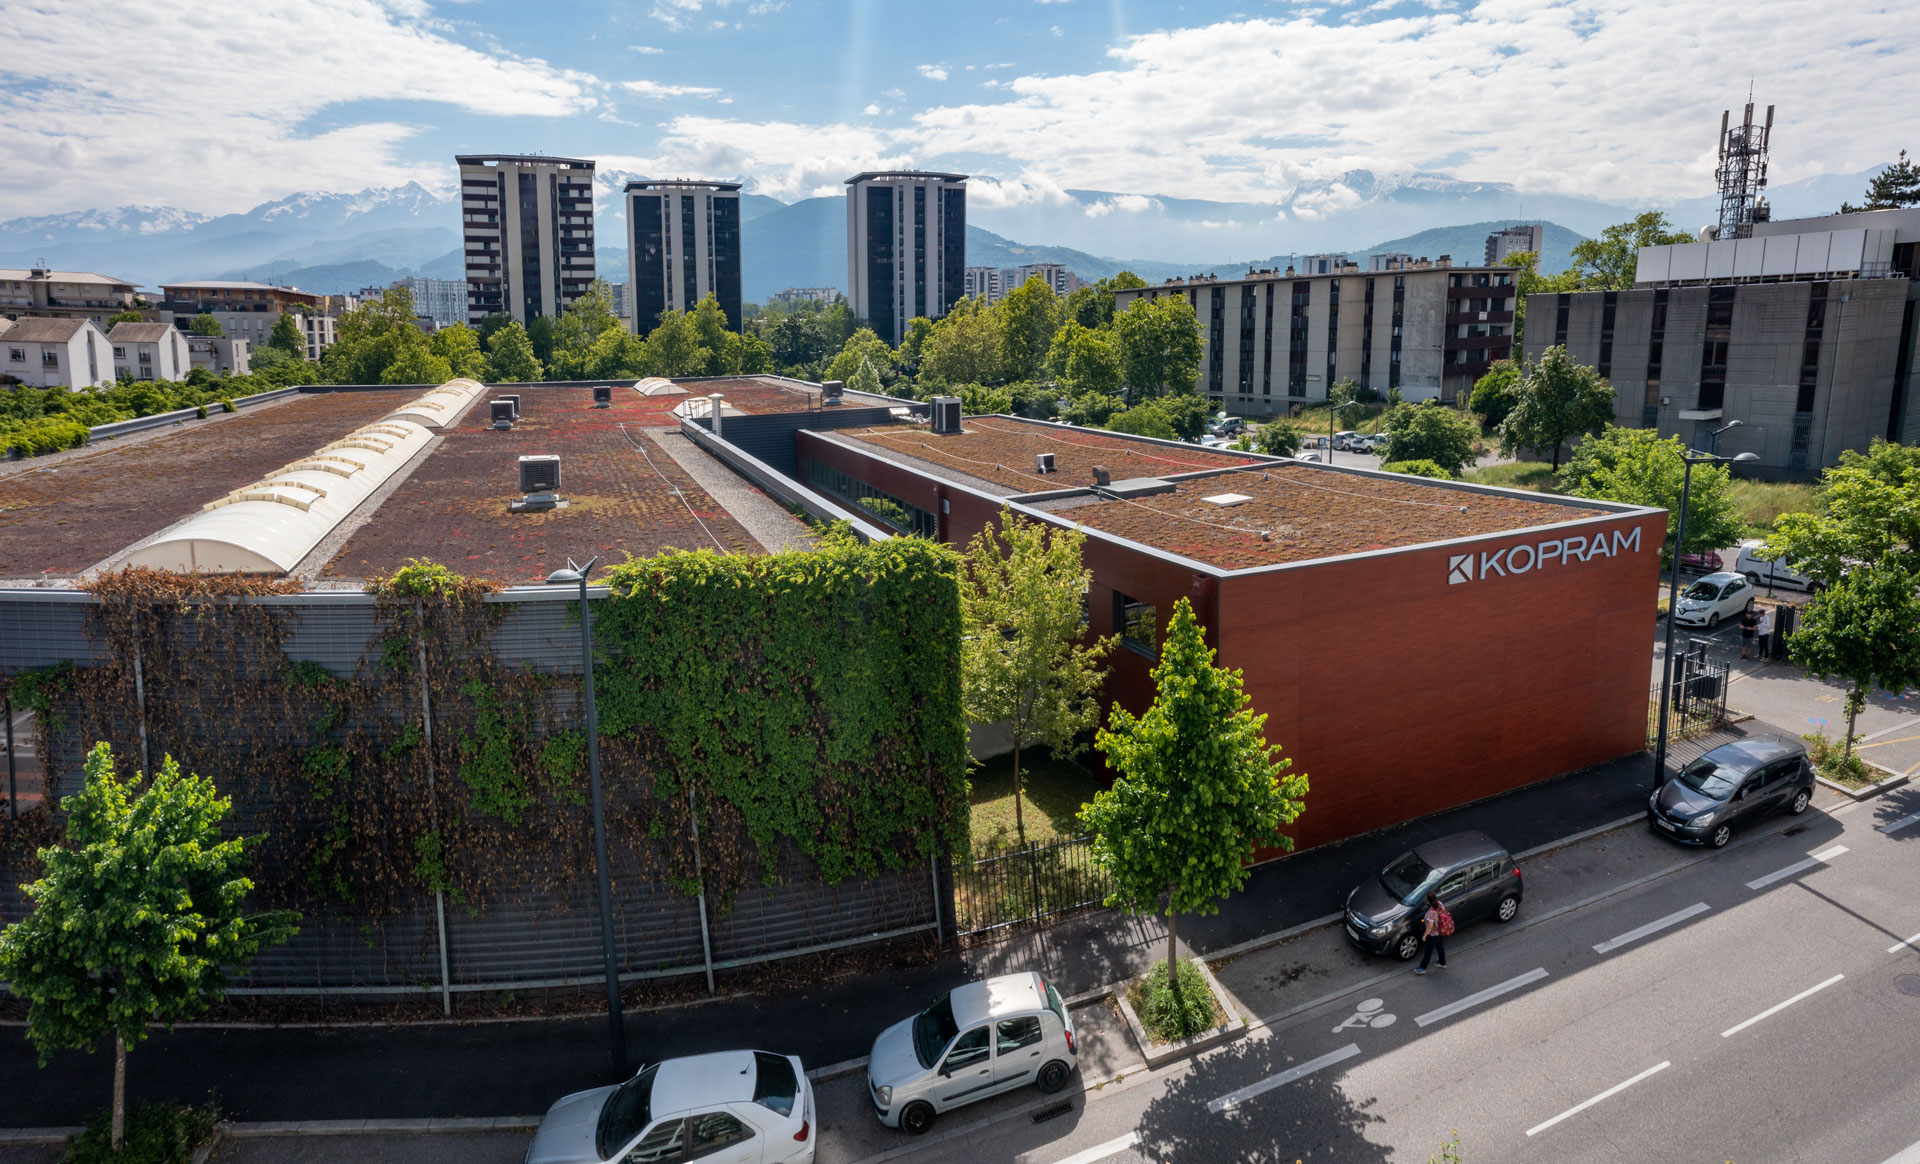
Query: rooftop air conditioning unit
x=515, y=398
x=946, y=414
x=502, y=413
x=1101, y=477
x=539, y=483
x=603, y=396
x=830, y=391
x=1043, y=462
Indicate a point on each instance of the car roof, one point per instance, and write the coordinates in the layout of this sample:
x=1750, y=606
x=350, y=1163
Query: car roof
x=976, y=1002
x=1754, y=751
x=1721, y=576
x=1468, y=846
x=703, y=1081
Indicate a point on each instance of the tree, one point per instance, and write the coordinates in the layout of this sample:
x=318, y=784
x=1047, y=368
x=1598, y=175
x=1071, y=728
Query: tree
x=618, y=355
x=1028, y=316
x=370, y=337
x=1025, y=658
x=1419, y=469
x=1558, y=400
x=1199, y=788
x=1607, y=263
x=1086, y=359
x=1892, y=188
x=673, y=348
x=1868, y=506
x=964, y=347
x=1092, y=305
x=1494, y=394
x=125, y=317
x=864, y=348
x=415, y=363
x=288, y=336
x=459, y=346
x=510, y=358
x=1159, y=342
x=540, y=334
x=1864, y=629
x=1092, y=409
x=138, y=918
x=1143, y=420
x=1278, y=438
x=1427, y=432
x=206, y=324
x=710, y=324
x=918, y=329
x=1635, y=467
x=581, y=324
x=864, y=379
x=1528, y=280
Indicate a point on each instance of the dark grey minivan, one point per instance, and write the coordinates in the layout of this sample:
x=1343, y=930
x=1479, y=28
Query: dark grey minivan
x=1733, y=784
x=1471, y=872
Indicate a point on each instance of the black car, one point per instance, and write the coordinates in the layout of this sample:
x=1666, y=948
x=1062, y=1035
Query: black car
x=1735, y=783
x=1473, y=875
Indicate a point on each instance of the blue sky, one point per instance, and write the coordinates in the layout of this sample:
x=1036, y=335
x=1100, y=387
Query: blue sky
x=217, y=108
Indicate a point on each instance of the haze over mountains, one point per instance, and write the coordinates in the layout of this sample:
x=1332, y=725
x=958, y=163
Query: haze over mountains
x=341, y=242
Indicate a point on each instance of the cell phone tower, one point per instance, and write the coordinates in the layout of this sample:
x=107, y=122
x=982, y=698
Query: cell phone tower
x=1743, y=173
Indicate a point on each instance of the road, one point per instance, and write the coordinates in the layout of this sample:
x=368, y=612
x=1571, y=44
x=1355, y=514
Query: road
x=1756, y=1006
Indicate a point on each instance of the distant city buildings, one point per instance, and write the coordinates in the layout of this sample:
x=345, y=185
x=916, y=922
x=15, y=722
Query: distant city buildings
x=50, y=294
x=622, y=296
x=683, y=244
x=527, y=224
x=444, y=301
x=218, y=355
x=149, y=351
x=1274, y=339
x=56, y=353
x=248, y=311
x=992, y=282
x=906, y=247
x=1389, y=261
x=984, y=282
x=824, y=296
x=1512, y=240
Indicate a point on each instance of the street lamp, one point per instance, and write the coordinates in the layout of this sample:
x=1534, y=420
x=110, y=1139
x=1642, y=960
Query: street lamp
x=1673, y=586
x=1333, y=411
x=565, y=577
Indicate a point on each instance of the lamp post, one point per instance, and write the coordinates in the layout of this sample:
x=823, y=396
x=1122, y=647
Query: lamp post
x=1333, y=411
x=1673, y=587
x=618, y=1030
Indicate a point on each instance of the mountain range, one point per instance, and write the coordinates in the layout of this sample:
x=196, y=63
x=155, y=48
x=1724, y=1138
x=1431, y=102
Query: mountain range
x=341, y=242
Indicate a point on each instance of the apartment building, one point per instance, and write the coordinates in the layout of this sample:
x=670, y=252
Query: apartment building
x=248, y=311
x=1276, y=339
x=906, y=247
x=683, y=244
x=1512, y=240
x=443, y=301
x=824, y=296
x=50, y=294
x=527, y=225
x=1805, y=332
x=222, y=357
x=56, y=353
x=149, y=351
x=985, y=282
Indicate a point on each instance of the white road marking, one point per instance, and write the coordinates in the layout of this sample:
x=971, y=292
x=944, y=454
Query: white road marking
x=1102, y=1151
x=1903, y=822
x=1778, y=1007
x=1478, y=997
x=1616, y=1089
x=1909, y=1155
x=1798, y=867
x=1914, y=941
x=1234, y=1099
x=1653, y=927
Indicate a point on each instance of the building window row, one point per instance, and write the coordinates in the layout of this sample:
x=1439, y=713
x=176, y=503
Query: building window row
x=903, y=516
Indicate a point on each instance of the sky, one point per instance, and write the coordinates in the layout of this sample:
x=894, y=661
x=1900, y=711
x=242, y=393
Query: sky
x=219, y=107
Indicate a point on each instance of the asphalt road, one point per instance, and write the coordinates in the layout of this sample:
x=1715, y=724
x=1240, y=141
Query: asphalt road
x=1729, y=1011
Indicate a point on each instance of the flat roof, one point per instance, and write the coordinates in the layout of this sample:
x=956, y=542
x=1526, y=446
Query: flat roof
x=648, y=183
x=765, y=394
x=872, y=174
x=996, y=453
x=229, y=284
x=1293, y=511
x=537, y=159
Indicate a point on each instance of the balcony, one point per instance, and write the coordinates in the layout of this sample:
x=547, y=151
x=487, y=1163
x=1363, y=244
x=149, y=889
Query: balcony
x=1456, y=318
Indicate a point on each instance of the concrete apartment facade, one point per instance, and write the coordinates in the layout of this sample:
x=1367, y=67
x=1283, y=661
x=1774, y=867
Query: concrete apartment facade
x=683, y=244
x=1276, y=339
x=149, y=351
x=222, y=357
x=906, y=247
x=248, y=311
x=824, y=296
x=984, y=282
x=1805, y=332
x=56, y=353
x=444, y=301
x=993, y=282
x=1512, y=240
x=527, y=226
x=50, y=294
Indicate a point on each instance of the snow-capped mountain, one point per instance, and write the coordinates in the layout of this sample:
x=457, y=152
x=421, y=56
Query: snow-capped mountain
x=92, y=224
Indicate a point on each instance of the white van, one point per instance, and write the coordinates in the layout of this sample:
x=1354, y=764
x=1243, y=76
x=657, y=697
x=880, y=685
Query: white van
x=1761, y=572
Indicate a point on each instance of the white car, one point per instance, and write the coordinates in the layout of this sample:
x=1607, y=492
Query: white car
x=979, y=1040
x=733, y=1107
x=1761, y=572
x=1713, y=599
x=1343, y=440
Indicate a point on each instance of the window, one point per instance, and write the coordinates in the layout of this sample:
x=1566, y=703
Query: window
x=712, y=1131
x=1137, y=623
x=1015, y=1033
x=1485, y=871
x=969, y=1049
x=1454, y=884
x=119, y=353
x=17, y=355
x=664, y=1142
x=50, y=357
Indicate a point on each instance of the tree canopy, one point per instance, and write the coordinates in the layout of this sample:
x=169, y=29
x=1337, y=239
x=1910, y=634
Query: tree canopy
x=1495, y=393
x=1893, y=188
x=1429, y=432
x=1558, y=400
x=1864, y=629
x=1160, y=345
x=1868, y=506
x=1634, y=466
x=1607, y=263
x=206, y=324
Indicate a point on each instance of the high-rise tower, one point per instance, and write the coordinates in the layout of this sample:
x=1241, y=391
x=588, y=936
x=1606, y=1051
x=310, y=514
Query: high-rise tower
x=528, y=228
x=683, y=244
x=906, y=247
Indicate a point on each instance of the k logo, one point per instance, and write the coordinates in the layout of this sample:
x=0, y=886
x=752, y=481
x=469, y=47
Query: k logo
x=1459, y=569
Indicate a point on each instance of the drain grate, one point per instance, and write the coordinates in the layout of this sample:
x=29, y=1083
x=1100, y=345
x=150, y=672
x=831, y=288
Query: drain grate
x=1063, y=1107
x=1908, y=984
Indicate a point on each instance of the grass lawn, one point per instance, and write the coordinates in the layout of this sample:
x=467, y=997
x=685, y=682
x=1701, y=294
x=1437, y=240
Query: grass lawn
x=1759, y=502
x=1536, y=475
x=1053, y=791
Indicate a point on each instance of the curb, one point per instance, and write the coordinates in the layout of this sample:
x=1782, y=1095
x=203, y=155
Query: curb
x=246, y=1131
x=37, y=1135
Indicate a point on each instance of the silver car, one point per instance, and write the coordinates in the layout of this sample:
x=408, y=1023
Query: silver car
x=979, y=1040
x=734, y=1107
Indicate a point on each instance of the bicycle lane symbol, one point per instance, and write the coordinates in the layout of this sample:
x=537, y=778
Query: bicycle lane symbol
x=1369, y=1015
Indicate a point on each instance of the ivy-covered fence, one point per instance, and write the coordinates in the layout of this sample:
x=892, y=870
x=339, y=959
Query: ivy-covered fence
x=417, y=758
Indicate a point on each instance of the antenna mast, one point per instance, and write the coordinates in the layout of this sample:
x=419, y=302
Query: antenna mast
x=1742, y=173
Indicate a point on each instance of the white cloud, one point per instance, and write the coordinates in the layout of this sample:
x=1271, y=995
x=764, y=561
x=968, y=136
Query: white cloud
x=656, y=90
x=933, y=72
x=1123, y=204
x=871, y=109
x=645, y=49
x=1026, y=190
x=896, y=94
x=787, y=160
x=1057, y=30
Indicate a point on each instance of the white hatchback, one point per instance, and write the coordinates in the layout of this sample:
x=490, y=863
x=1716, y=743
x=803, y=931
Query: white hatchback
x=1713, y=599
x=733, y=1107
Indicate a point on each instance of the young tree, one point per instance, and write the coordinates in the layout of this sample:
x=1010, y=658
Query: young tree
x=710, y=324
x=1494, y=394
x=459, y=346
x=1427, y=432
x=206, y=324
x=415, y=363
x=1028, y=316
x=673, y=348
x=1558, y=400
x=1025, y=658
x=1895, y=187
x=1635, y=467
x=918, y=329
x=288, y=336
x=866, y=348
x=1160, y=346
x=1864, y=629
x=1199, y=788
x=125, y=317
x=510, y=358
x=864, y=379
x=1278, y=438
x=582, y=323
x=138, y=918
x=963, y=348
x=1868, y=506
x=1607, y=263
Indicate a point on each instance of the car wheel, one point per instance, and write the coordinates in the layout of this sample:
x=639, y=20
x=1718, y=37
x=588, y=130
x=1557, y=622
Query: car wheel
x=1801, y=799
x=1721, y=836
x=1713, y=619
x=916, y=1119
x=1753, y=580
x=1508, y=907
x=1406, y=946
x=1053, y=1077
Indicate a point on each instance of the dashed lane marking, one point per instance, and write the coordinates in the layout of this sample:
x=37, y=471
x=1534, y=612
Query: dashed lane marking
x=1653, y=927
x=1234, y=1099
x=1616, y=1089
x=1797, y=868
x=1102, y=1151
x=1780, y=1006
x=1478, y=997
x=1914, y=942
x=1908, y=1155
x=1903, y=822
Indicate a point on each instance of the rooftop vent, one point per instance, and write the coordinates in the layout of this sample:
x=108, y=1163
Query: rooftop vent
x=603, y=396
x=515, y=398
x=1101, y=476
x=830, y=391
x=1043, y=462
x=502, y=413
x=1139, y=487
x=1227, y=500
x=539, y=483
x=946, y=414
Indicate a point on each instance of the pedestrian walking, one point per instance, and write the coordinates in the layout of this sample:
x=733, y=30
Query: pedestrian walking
x=1749, y=623
x=1763, y=634
x=1436, y=924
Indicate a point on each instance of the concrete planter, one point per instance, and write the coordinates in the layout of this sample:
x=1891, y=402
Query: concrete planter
x=1159, y=1053
x=1869, y=791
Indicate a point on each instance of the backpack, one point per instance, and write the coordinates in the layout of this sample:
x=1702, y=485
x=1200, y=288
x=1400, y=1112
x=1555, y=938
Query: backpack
x=1443, y=921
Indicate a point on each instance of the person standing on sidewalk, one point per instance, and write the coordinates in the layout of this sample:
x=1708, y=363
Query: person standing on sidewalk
x=1763, y=634
x=1749, y=622
x=1436, y=924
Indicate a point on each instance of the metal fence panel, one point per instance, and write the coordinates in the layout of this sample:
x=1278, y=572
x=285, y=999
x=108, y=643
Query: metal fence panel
x=1028, y=884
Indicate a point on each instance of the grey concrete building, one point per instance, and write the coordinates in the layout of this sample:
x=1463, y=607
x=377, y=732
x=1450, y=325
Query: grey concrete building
x=1804, y=332
x=1274, y=339
x=906, y=247
x=683, y=245
x=1512, y=240
x=527, y=223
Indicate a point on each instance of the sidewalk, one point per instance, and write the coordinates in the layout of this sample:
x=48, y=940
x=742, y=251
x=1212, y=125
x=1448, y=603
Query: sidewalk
x=515, y=1069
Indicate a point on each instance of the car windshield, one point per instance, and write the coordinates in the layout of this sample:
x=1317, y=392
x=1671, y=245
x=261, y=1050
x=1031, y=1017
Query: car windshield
x=933, y=1030
x=1705, y=591
x=1406, y=879
x=628, y=1110
x=774, y=1083
x=1711, y=779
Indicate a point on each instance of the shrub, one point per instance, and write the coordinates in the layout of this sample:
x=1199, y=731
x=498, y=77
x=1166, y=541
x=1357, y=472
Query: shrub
x=200, y=411
x=157, y=1133
x=1179, y=1011
x=1836, y=763
x=1419, y=468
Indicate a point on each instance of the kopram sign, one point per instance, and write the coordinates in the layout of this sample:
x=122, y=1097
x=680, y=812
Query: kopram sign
x=1522, y=559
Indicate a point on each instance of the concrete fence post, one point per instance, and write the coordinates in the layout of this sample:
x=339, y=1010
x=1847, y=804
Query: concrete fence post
x=433, y=804
x=700, y=879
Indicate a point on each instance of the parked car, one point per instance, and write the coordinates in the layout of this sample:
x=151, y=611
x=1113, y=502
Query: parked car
x=732, y=1107
x=1735, y=783
x=1471, y=872
x=1343, y=440
x=1713, y=599
x=1316, y=458
x=1760, y=572
x=1227, y=426
x=1702, y=562
x=978, y=1040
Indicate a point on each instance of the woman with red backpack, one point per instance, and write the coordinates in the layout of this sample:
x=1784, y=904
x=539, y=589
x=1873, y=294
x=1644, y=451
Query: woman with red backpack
x=1438, y=924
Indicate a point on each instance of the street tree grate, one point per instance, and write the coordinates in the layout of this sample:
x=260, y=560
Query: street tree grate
x=1065, y=1106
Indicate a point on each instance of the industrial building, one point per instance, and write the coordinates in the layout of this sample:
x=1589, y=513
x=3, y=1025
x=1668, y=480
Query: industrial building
x=683, y=244
x=906, y=247
x=527, y=225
